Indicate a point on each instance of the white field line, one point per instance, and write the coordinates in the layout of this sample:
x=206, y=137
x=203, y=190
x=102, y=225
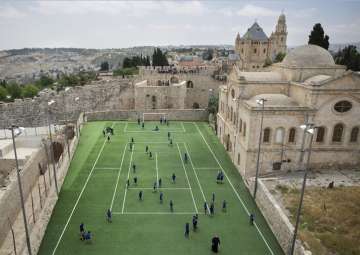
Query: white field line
x=156, y=132
x=125, y=127
x=197, y=179
x=106, y=168
x=128, y=175
x=118, y=177
x=152, y=142
x=182, y=124
x=187, y=178
x=139, y=188
x=159, y=213
x=206, y=168
x=232, y=186
x=78, y=199
x=157, y=169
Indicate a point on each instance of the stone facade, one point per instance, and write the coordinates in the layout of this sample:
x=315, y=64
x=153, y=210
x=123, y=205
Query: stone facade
x=307, y=87
x=185, y=91
x=255, y=48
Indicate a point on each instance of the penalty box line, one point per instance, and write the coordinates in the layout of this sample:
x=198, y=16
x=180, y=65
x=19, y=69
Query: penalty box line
x=80, y=195
x=187, y=178
x=157, y=213
x=196, y=176
x=118, y=177
x=232, y=186
x=128, y=175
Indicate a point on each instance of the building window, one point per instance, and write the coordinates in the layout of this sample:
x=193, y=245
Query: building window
x=266, y=138
x=264, y=51
x=292, y=134
x=231, y=114
x=320, y=133
x=220, y=131
x=338, y=132
x=242, y=50
x=244, y=129
x=354, y=135
x=238, y=161
x=279, y=135
x=240, y=126
x=233, y=93
x=254, y=51
x=343, y=106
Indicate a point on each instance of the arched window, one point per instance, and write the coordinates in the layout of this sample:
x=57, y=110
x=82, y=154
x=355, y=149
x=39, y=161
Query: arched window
x=354, y=135
x=320, y=134
x=244, y=129
x=231, y=114
x=338, y=132
x=292, y=134
x=266, y=138
x=279, y=135
x=255, y=51
x=240, y=125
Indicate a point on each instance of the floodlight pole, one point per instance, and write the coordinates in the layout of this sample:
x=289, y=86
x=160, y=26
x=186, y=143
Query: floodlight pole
x=52, y=152
x=262, y=100
x=66, y=123
x=308, y=126
x=21, y=192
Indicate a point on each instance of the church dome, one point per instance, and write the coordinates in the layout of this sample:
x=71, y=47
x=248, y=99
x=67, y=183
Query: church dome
x=308, y=56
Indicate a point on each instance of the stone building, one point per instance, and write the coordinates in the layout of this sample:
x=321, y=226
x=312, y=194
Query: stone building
x=306, y=87
x=255, y=47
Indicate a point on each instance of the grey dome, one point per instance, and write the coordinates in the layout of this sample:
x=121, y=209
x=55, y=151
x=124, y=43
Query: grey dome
x=308, y=56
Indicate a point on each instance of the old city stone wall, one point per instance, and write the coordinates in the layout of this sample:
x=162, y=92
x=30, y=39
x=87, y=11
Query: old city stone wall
x=198, y=84
x=116, y=94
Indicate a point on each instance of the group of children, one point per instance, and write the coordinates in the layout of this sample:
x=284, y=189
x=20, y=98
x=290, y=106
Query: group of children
x=84, y=235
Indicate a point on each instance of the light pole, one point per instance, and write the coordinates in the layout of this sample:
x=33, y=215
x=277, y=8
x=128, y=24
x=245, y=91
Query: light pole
x=77, y=128
x=19, y=130
x=261, y=102
x=66, y=121
x=309, y=128
x=52, y=147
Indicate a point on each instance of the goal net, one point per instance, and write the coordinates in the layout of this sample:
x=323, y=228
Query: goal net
x=154, y=116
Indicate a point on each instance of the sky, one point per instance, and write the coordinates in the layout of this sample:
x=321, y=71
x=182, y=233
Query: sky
x=118, y=24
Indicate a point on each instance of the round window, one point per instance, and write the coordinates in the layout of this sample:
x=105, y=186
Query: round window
x=343, y=106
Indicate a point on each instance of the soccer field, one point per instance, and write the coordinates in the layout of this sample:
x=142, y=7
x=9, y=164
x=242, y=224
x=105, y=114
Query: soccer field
x=96, y=181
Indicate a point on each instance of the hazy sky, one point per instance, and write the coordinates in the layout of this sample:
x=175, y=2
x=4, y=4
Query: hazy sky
x=116, y=24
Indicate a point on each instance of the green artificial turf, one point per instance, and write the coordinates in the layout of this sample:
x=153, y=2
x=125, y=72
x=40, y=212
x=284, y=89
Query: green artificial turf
x=148, y=227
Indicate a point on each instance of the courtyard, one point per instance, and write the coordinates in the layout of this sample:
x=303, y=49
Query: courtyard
x=97, y=181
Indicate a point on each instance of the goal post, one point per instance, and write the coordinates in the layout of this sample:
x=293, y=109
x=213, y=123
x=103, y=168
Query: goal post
x=153, y=116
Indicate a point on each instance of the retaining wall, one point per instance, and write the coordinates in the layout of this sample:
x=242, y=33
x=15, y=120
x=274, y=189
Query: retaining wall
x=276, y=218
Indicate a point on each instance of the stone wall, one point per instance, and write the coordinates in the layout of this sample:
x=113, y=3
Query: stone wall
x=115, y=94
x=172, y=114
x=40, y=199
x=276, y=218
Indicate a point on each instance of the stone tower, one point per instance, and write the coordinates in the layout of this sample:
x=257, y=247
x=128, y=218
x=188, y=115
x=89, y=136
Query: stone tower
x=278, y=38
x=255, y=48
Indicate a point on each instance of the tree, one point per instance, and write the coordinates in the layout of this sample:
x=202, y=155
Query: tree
x=350, y=57
x=279, y=57
x=318, y=37
x=208, y=54
x=3, y=93
x=213, y=104
x=14, y=90
x=44, y=82
x=104, y=66
x=159, y=58
x=30, y=91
